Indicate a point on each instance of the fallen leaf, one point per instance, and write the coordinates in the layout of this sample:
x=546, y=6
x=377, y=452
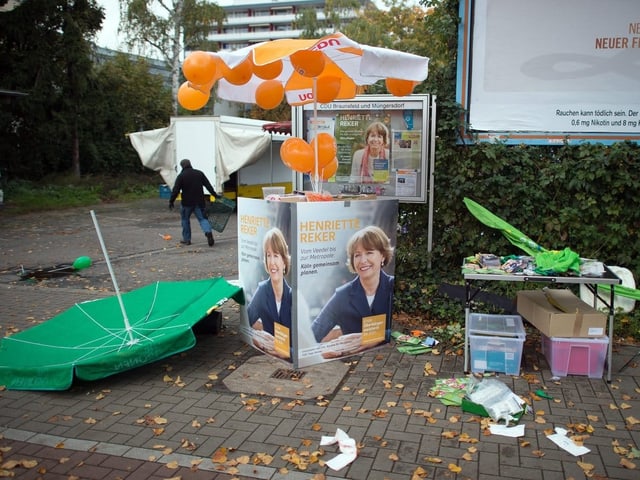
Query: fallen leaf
x=393, y=457
x=173, y=465
x=219, y=456
x=538, y=453
x=419, y=473
x=628, y=464
x=587, y=468
x=432, y=459
x=632, y=421
x=454, y=468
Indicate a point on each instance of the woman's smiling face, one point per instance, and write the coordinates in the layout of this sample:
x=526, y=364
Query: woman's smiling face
x=275, y=264
x=375, y=139
x=367, y=262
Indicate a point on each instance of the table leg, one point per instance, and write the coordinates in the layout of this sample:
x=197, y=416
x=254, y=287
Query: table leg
x=612, y=312
x=467, y=311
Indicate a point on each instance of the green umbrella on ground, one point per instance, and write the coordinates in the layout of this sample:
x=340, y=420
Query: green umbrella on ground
x=90, y=340
x=512, y=234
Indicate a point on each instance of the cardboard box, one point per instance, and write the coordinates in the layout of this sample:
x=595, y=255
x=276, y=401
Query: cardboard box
x=574, y=318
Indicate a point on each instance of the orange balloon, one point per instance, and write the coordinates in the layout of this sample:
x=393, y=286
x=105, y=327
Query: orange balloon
x=269, y=94
x=268, y=71
x=297, y=154
x=328, y=88
x=190, y=98
x=203, y=88
x=398, y=87
x=199, y=68
x=240, y=74
x=308, y=63
x=329, y=170
x=327, y=148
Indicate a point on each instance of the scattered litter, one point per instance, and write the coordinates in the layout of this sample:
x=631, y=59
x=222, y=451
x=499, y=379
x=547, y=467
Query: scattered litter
x=542, y=394
x=165, y=236
x=54, y=271
x=450, y=391
x=498, y=400
x=507, y=431
x=560, y=438
x=415, y=343
x=347, y=447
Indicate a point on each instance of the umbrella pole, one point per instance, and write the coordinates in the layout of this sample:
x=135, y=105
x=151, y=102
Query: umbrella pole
x=113, y=279
x=316, y=179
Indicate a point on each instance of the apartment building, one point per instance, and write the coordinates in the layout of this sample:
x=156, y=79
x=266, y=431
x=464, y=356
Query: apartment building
x=252, y=21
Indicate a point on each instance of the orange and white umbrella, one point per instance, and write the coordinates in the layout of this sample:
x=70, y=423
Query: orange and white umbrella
x=321, y=70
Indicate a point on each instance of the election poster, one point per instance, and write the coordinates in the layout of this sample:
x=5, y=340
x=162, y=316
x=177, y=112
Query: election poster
x=318, y=276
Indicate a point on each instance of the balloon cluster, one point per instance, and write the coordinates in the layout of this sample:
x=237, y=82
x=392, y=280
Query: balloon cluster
x=300, y=156
x=203, y=69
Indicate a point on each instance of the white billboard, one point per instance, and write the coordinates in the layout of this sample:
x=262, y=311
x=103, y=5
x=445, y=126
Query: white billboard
x=548, y=70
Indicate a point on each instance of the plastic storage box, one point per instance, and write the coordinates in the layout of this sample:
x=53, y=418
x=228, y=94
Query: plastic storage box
x=164, y=190
x=575, y=356
x=496, y=343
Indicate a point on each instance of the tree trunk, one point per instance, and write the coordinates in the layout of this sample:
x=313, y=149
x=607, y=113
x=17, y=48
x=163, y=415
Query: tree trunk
x=75, y=152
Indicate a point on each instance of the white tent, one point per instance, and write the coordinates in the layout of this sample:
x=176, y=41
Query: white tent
x=219, y=146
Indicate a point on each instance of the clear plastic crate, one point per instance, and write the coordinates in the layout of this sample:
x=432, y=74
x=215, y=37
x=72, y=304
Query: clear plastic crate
x=496, y=343
x=496, y=354
x=496, y=325
x=575, y=356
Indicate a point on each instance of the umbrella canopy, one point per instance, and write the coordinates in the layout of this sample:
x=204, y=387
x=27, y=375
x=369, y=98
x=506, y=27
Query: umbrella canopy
x=335, y=62
x=90, y=340
x=515, y=236
x=304, y=70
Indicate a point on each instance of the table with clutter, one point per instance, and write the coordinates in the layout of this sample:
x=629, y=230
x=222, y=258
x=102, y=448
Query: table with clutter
x=597, y=277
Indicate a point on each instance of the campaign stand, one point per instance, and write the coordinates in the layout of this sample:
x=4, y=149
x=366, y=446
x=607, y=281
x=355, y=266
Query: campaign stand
x=317, y=234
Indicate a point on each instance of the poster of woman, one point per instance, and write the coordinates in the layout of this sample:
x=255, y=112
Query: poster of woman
x=318, y=276
x=264, y=230
x=345, y=275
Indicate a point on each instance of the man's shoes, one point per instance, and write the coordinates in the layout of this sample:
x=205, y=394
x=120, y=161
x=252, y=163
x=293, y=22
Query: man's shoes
x=185, y=242
x=210, y=239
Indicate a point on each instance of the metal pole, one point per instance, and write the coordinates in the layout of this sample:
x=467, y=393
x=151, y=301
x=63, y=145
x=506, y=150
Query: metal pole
x=113, y=279
x=432, y=166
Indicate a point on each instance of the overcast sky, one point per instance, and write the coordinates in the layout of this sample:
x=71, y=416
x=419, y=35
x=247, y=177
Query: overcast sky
x=108, y=37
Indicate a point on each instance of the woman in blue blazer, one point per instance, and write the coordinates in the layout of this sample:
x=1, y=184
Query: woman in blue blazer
x=369, y=294
x=272, y=301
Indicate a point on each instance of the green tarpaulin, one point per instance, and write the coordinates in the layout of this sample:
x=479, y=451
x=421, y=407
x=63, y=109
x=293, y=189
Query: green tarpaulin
x=90, y=339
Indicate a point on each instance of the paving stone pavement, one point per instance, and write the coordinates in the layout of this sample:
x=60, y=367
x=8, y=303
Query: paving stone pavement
x=177, y=418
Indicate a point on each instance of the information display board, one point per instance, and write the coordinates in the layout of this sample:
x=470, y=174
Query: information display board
x=384, y=143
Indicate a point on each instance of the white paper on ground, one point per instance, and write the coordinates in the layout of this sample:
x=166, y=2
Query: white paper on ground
x=347, y=447
x=506, y=431
x=560, y=438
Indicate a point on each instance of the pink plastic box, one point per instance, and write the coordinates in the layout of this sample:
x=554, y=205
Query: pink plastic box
x=575, y=356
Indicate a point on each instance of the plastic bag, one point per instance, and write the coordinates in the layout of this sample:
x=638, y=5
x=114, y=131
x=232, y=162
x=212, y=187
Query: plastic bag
x=497, y=399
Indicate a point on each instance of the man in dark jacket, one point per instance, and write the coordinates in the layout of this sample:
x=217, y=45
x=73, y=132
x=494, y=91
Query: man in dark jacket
x=191, y=183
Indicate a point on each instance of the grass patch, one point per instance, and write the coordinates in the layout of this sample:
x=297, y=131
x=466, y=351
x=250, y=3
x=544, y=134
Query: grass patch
x=60, y=192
